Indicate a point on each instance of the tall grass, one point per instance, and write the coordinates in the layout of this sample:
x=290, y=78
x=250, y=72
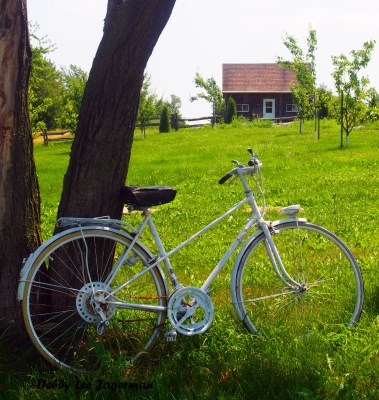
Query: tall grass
x=339, y=189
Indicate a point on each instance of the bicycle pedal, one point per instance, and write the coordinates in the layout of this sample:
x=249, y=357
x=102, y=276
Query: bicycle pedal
x=171, y=335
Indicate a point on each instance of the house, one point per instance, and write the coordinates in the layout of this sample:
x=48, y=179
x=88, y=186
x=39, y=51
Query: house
x=259, y=90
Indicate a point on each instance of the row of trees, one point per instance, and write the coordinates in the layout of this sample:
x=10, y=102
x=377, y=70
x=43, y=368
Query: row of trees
x=55, y=95
x=355, y=100
x=151, y=107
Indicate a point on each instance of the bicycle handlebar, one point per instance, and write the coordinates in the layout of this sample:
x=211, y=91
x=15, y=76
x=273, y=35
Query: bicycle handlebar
x=254, y=166
x=225, y=178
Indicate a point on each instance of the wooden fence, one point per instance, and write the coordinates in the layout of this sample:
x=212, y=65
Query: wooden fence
x=207, y=119
x=46, y=134
x=281, y=119
x=176, y=122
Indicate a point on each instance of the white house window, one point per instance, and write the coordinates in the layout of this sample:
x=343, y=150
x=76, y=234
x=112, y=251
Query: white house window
x=291, y=108
x=242, y=107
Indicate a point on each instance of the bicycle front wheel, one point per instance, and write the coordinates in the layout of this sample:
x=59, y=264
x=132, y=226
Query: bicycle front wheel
x=329, y=291
x=58, y=301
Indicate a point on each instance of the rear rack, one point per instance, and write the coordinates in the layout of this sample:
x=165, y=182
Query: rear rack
x=66, y=222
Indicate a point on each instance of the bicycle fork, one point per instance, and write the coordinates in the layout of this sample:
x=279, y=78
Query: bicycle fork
x=276, y=260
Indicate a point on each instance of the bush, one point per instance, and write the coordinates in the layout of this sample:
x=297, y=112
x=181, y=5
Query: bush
x=231, y=110
x=164, y=124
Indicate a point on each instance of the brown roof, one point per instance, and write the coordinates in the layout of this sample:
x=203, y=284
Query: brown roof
x=252, y=78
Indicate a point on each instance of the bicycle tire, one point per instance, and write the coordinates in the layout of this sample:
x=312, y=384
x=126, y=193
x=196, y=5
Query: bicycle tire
x=57, y=305
x=332, y=294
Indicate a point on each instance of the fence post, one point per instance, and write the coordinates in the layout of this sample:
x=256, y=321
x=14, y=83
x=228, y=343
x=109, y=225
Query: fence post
x=174, y=122
x=45, y=139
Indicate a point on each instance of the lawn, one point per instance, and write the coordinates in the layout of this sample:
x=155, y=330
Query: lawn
x=338, y=189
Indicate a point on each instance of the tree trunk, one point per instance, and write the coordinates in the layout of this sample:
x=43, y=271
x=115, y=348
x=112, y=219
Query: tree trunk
x=101, y=149
x=19, y=194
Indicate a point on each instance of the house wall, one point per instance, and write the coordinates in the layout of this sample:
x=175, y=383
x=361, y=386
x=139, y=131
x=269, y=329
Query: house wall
x=255, y=102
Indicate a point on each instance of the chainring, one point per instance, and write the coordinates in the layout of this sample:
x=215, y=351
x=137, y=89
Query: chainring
x=190, y=311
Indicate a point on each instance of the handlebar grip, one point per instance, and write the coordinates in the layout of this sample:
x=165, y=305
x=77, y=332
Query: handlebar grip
x=225, y=178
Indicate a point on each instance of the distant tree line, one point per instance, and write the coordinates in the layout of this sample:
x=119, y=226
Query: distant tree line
x=355, y=101
x=152, y=108
x=55, y=95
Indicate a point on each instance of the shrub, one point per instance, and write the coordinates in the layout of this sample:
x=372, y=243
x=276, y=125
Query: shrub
x=164, y=124
x=231, y=110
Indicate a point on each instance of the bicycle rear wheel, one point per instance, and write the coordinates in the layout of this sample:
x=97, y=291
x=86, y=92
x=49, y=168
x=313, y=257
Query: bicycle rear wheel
x=58, y=304
x=330, y=291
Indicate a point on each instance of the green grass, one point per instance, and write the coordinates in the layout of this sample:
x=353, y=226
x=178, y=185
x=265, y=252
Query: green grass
x=339, y=189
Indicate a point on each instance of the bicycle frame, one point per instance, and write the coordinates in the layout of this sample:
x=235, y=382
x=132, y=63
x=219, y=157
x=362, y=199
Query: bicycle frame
x=255, y=219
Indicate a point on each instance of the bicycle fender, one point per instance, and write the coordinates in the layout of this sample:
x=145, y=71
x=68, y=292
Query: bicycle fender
x=28, y=262
x=274, y=225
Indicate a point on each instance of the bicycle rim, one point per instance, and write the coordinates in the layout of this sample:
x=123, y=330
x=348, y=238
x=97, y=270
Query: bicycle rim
x=57, y=305
x=330, y=294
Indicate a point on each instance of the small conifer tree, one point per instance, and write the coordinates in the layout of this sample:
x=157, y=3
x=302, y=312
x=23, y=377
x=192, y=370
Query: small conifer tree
x=231, y=110
x=164, y=124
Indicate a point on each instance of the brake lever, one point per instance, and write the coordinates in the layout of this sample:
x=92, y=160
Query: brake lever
x=239, y=165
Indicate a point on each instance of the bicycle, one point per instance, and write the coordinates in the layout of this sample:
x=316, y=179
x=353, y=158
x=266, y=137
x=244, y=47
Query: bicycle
x=95, y=293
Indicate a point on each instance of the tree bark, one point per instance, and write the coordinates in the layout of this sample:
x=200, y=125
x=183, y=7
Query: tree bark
x=101, y=149
x=19, y=193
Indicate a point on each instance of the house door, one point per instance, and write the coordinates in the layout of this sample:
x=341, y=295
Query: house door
x=268, y=108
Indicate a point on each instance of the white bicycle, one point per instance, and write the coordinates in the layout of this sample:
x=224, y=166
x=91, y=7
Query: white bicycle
x=94, y=293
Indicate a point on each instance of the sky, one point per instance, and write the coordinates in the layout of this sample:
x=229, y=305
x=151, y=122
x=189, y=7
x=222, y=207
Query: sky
x=201, y=35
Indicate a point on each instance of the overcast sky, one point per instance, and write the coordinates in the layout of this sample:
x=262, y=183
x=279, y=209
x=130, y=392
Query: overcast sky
x=201, y=35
